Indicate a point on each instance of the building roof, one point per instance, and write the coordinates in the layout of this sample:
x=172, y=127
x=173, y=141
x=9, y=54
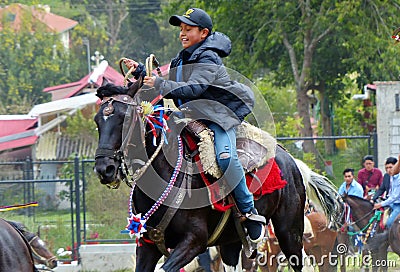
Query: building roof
x=92, y=80
x=56, y=23
x=17, y=131
x=18, y=143
x=62, y=105
x=12, y=124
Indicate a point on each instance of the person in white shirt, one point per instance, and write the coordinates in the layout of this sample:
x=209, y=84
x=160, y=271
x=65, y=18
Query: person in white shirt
x=393, y=200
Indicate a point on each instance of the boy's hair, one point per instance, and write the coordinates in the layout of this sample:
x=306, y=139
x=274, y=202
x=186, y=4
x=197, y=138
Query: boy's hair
x=348, y=170
x=391, y=160
x=368, y=158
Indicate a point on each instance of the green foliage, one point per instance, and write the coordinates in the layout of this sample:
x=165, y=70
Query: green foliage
x=79, y=126
x=30, y=61
x=349, y=113
x=282, y=104
x=107, y=206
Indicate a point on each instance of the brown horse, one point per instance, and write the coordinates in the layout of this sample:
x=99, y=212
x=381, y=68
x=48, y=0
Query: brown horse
x=318, y=246
x=15, y=253
x=40, y=253
x=362, y=215
x=394, y=236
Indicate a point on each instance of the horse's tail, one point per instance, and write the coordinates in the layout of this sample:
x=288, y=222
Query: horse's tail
x=322, y=193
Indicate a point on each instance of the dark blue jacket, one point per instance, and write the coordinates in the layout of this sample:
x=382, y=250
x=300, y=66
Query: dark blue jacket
x=385, y=187
x=205, y=88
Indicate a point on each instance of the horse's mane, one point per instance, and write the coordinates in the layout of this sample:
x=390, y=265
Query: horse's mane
x=110, y=89
x=22, y=228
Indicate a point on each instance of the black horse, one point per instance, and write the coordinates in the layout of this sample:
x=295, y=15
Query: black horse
x=188, y=230
x=15, y=253
x=376, y=239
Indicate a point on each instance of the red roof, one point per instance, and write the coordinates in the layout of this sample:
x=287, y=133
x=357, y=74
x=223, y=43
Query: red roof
x=10, y=127
x=18, y=132
x=56, y=23
x=30, y=140
x=110, y=74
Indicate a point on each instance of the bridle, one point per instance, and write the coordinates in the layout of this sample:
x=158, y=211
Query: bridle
x=39, y=257
x=116, y=155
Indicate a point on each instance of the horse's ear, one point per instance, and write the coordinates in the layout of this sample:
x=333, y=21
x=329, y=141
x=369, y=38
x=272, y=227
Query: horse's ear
x=105, y=81
x=134, y=87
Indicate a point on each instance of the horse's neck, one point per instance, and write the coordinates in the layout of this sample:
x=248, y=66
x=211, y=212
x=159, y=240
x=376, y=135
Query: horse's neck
x=360, y=214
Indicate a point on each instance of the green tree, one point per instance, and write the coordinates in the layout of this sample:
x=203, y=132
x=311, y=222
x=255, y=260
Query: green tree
x=130, y=27
x=310, y=44
x=32, y=58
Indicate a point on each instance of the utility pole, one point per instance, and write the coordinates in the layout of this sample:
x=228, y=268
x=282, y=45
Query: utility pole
x=86, y=42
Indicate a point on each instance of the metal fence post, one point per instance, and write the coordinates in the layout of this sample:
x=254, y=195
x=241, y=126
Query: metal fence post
x=77, y=206
x=28, y=187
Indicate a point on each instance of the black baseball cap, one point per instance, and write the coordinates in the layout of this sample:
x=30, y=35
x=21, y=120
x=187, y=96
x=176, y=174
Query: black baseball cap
x=193, y=17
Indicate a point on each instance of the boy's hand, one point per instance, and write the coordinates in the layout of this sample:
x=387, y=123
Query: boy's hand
x=377, y=206
x=149, y=81
x=129, y=63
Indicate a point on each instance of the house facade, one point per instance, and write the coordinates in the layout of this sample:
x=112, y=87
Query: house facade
x=388, y=120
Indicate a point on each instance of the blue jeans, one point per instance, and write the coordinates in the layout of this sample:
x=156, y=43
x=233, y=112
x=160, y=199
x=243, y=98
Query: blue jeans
x=228, y=161
x=393, y=215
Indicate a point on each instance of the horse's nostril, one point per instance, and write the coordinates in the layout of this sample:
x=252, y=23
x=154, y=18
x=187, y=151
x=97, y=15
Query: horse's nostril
x=110, y=170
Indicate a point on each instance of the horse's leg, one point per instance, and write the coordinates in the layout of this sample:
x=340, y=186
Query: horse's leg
x=383, y=258
x=288, y=223
x=230, y=254
x=147, y=256
x=364, y=266
x=247, y=264
x=185, y=251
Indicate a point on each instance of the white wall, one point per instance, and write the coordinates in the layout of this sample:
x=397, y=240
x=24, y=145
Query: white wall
x=388, y=120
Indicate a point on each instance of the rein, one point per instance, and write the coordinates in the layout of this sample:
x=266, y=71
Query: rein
x=370, y=227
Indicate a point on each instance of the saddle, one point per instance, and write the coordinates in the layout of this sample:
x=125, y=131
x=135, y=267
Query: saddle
x=256, y=151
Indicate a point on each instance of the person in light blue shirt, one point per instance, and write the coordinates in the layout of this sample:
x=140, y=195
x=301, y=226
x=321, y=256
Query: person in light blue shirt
x=393, y=200
x=350, y=186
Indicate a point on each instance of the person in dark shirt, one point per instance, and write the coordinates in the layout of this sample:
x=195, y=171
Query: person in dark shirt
x=383, y=190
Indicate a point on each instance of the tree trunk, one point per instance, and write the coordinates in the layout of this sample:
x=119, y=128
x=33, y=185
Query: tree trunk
x=303, y=107
x=326, y=120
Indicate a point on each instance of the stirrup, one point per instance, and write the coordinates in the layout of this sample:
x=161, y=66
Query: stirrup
x=256, y=217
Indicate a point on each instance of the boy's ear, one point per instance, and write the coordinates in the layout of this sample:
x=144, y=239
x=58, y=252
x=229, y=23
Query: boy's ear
x=204, y=33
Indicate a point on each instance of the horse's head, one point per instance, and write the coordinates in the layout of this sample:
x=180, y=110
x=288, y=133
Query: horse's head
x=117, y=102
x=40, y=253
x=361, y=209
